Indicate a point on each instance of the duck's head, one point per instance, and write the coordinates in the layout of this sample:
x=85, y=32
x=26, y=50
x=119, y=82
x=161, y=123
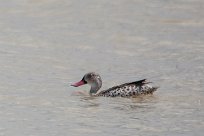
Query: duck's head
x=91, y=78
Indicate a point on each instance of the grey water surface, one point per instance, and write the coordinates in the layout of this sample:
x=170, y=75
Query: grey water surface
x=45, y=45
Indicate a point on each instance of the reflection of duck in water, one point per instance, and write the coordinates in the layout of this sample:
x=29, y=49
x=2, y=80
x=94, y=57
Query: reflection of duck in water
x=125, y=90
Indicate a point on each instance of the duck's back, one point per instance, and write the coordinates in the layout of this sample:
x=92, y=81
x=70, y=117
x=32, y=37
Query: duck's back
x=129, y=89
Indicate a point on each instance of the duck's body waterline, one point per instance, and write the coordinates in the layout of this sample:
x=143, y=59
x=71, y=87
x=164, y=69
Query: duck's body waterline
x=136, y=88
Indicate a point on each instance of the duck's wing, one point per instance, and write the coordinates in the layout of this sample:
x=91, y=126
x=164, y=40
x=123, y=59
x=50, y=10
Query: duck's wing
x=137, y=83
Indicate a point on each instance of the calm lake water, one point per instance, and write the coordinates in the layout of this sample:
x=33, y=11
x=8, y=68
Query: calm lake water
x=47, y=44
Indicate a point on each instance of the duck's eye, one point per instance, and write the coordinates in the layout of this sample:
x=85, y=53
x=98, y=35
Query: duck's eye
x=89, y=76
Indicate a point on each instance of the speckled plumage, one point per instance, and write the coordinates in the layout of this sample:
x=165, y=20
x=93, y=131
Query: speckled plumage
x=129, y=89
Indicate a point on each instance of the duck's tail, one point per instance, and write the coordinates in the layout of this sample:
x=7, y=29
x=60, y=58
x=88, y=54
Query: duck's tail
x=152, y=89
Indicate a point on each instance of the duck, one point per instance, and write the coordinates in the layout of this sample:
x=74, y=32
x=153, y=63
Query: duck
x=136, y=88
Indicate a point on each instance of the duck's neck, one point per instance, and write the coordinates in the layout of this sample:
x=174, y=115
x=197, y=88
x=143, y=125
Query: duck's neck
x=93, y=91
x=95, y=87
